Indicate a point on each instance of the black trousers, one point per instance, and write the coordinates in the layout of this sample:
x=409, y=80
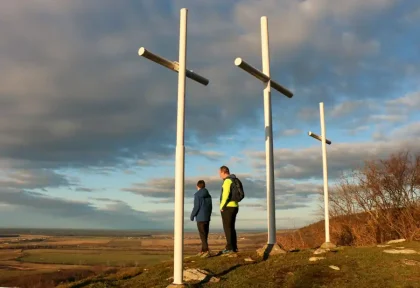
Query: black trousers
x=203, y=229
x=229, y=219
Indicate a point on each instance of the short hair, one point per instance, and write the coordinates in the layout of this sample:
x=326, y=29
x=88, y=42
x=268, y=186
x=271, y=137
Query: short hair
x=201, y=184
x=224, y=169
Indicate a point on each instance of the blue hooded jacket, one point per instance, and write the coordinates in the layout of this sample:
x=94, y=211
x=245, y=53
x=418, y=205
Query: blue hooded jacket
x=202, y=206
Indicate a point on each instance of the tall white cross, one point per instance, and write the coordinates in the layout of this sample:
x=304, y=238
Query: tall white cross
x=264, y=76
x=179, y=67
x=324, y=141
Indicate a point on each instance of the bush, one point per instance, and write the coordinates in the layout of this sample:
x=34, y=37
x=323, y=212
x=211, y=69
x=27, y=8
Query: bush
x=380, y=201
x=372, y=205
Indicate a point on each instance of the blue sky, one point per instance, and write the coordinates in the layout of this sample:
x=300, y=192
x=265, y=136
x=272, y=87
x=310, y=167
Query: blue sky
x=88, y=127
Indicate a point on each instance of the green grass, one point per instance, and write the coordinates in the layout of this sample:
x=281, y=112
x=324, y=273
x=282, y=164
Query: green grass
x=92, y=257
x=359, y=267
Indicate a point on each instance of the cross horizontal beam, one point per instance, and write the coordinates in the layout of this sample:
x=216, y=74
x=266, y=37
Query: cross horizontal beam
x=313, y=135
x=239, y=62
x=172, y=65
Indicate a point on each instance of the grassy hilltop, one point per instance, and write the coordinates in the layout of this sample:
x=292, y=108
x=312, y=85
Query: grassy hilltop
x=359, y=267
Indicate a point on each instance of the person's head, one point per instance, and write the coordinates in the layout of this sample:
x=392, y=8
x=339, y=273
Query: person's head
x=224, y=172
x=201, y=184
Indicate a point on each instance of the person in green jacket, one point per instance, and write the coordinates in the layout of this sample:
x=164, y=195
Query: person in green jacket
x=228, y=209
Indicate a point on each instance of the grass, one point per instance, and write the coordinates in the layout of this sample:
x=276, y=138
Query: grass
x=359, y=267
x=92, y=257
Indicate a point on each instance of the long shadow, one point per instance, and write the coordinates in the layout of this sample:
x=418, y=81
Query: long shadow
x=269, y=248
x=267, y=251
x=223, y=273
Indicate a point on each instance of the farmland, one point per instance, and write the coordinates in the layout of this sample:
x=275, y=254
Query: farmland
x=48, y=258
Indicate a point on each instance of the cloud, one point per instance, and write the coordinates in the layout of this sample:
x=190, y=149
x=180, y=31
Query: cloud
x=85, y=189
x=88, y=100
x=410, y=131
x=211, y=155
x=357, y=130
x=163, y=188
x=413, y=15
x=409, y=101
x=306, y=163
x=290, y=132
x=118, y=214
x=75, y=96
x=34, y=179
x=102, y=199
x=286, y=200
x=346, y=108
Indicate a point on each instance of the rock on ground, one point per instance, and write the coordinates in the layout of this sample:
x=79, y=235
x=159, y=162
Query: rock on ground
x=231, y=255
x=328, y=245
x=313, y=259
x=334, y=267
x=320, y=251
x=249, y=259
x=198, y=275
x=214, y=279
x=270, y=249
x=195, y=275
x=383, y=246
x=396, y=241
x=410, y=262
x=402, y=251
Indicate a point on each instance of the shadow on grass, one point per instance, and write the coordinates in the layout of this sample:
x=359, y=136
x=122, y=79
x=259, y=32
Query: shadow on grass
x=221, y=274
x=316, y=276
x=105, y=280
x=267, y=251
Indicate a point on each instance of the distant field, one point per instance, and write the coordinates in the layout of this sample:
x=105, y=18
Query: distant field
x=50, y=257
x=92, y=257
x=8, y=254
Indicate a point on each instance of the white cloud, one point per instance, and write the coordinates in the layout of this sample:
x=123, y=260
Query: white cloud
x=290, y=132
x=410, y=100
x=306, y=163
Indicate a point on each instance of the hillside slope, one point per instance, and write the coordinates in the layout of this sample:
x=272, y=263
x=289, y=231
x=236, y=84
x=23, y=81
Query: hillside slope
x=359, y=267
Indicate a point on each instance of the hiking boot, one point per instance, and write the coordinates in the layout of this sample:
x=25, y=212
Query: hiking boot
x=199, y=254
x=226, y=251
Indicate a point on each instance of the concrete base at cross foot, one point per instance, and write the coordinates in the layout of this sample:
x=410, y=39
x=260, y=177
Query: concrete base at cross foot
x=176, y=286
x=270, y=249
x=328, y=245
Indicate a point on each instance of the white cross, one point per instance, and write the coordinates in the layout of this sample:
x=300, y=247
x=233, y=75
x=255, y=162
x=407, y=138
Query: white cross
x=324, y=141
x=179, y=67
x=264, y=76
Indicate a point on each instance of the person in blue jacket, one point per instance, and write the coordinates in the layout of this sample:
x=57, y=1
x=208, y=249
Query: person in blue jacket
x=202, y=214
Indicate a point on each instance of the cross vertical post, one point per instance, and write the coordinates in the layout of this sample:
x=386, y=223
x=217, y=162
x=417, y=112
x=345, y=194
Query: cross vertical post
x=265, y=77
x=324, y=141
x=180, y=155
x=269, y=161
x=324, y=172
x=183, y=72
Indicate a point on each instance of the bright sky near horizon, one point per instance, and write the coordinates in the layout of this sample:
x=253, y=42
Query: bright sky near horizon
x=87, y=127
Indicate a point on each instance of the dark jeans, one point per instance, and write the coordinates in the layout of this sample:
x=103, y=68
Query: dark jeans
x=229, y=219
x=203, y=229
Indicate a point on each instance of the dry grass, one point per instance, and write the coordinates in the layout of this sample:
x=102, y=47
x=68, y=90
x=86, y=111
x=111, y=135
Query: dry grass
x=359, y=267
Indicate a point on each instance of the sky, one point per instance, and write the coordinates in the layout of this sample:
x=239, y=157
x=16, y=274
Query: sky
x=88, y=128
